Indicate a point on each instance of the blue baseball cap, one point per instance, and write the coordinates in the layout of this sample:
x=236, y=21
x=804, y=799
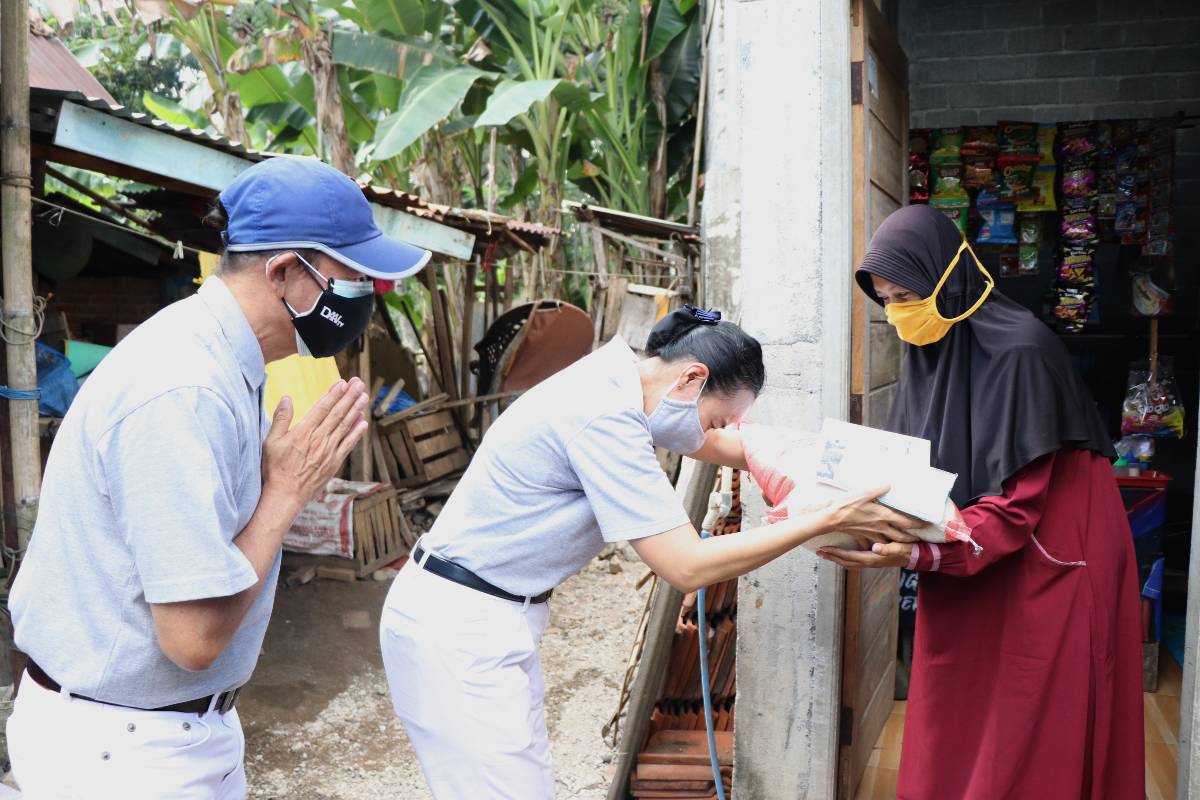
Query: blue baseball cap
x=300, y=203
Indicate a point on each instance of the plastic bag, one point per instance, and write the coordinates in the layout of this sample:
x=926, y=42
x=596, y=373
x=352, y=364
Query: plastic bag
x=1152, y=406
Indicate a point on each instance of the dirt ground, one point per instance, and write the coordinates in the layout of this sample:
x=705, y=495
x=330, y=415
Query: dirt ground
x=318, y=717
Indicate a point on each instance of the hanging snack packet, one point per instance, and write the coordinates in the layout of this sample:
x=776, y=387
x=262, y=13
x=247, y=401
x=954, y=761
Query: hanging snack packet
x=1009, y=264
x=947, y=146
x=918, y=178
x=1150, y=299
x=947, y=185
x=1016, y=180
x=980, y=141
x=1078, y=180
x=1077, y=267
x=1152, y=406
x=1046, y=135
x=1019, y=140
x=1079, y=220
x=1043, y=185
x=1027, y=259
x=957, y=214
x=999, y=221
x=1030, y=226
x=1078, y=141
x=1073, y=308
x=979, y=172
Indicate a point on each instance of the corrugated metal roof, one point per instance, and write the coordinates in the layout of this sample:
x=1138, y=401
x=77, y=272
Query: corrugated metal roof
x=632, y=224
x=202, y=137
x=53, y=66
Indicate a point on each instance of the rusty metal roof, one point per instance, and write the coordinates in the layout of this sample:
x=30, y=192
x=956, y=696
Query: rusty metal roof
x=632, y=224
x=53, y=66
x=489, y=228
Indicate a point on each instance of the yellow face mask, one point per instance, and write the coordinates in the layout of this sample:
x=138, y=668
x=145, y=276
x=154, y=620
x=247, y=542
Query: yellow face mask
x=919, y=322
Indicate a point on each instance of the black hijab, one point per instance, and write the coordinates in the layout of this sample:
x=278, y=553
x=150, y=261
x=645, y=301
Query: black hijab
x=999, y=390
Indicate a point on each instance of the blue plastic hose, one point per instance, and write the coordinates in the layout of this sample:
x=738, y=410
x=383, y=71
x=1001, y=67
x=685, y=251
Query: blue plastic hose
x=705, y=686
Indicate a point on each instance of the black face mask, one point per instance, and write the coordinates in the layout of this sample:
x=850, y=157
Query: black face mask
x=340, y=315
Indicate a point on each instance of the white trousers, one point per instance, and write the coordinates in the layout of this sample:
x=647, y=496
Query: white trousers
x=70, y=749
x=466, y=682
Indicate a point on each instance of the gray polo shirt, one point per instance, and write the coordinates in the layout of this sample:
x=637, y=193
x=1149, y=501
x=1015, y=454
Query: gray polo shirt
x=566, y=468
x=154, y=472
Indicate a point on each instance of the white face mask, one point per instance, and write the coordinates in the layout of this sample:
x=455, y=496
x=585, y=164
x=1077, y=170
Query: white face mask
x=675, y=424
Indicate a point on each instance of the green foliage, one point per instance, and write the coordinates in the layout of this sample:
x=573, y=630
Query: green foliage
x=131, y=66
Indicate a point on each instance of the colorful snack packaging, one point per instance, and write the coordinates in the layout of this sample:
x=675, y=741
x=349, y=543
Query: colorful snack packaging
x=980, y=141
x=1077, y=267
x=1072, y=308
x=1078, y=140
x=1018, y=139
x=1016, y=181
x=918, y=178
x=947, y=145
x=1030, y=226
x=948, y=184
x=1046, y=137
x=1078, y=180
x=1150, y=299
x=980, y=173
x=1027, y=260
x=999, y=224
x=1078, y=221
x=1106, y=205
x=1010, y=265
x=1043, y=185
x=1152, y=406
x=956, y=213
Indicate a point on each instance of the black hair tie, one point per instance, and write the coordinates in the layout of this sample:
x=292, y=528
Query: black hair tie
x=706, y=316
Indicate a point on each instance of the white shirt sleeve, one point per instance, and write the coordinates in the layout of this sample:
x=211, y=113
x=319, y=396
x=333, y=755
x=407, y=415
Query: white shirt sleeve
x=629, y=493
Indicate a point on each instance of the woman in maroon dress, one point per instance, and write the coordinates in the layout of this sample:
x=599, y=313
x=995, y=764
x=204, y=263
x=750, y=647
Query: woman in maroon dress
x=1027, y=674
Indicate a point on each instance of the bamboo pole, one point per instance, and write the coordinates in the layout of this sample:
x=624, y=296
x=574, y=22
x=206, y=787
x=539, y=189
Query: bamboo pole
x=16, y=219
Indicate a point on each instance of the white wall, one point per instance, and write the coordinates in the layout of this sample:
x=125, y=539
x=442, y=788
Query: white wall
x=777, y=222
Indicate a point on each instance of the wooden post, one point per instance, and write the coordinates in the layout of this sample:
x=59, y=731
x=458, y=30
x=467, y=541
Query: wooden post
x=441, y=332
x=1154, y=349
x=468, y=323
x=660, y=634
x=361, y=458
x=16, y=220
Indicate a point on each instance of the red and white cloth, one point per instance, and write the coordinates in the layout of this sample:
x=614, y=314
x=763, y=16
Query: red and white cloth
x=325, y=527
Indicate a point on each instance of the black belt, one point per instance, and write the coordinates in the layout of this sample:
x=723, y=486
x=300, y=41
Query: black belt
x=464, y=577
x=224, y=700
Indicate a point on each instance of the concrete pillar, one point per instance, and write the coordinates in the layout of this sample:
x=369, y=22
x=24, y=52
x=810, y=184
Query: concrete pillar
x=777, y=222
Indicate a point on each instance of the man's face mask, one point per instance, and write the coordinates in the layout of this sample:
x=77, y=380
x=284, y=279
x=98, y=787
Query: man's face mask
x=338, y=317
x=675, y=424
x=919, y=322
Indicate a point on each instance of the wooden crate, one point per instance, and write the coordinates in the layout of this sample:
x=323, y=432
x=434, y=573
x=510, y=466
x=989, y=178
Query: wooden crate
x=422, y=447
x=381, y=534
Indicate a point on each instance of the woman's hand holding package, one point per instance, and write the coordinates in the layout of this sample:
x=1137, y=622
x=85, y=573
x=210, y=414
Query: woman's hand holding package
x=880, y=556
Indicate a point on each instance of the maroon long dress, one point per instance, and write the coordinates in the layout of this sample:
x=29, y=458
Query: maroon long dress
x=1027, y=674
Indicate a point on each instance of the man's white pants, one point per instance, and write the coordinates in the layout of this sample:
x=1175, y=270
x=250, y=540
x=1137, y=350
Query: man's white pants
x=70, y=749
x=466, y=682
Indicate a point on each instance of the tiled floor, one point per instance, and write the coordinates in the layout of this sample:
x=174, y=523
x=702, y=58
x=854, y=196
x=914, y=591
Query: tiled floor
x=1162, y=745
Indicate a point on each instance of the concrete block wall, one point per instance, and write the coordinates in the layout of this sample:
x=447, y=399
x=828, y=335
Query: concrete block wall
x=973, y=62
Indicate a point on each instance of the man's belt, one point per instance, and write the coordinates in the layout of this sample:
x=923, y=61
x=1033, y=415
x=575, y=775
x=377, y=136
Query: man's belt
x=464, y=577
x=224, y=700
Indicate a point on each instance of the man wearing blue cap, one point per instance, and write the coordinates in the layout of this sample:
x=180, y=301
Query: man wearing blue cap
x=146, y=591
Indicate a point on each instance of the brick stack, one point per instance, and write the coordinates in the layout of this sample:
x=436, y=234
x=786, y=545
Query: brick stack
x=675, y=760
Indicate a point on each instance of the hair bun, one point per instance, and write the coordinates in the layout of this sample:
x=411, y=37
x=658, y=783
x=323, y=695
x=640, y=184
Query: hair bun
x=706, y=316
x=675, y=325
